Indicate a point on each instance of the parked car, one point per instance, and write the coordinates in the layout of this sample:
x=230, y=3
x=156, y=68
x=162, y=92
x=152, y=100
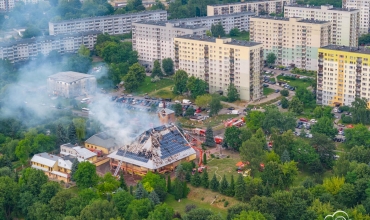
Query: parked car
x=277, y=90
x=230, y=108
x=303, y=119
x=265, y=85
x=313, y=120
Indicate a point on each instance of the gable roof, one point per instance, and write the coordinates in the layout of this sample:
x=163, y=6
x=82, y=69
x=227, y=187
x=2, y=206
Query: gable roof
x=155, y=148
x=102, y=139
x=67, y=164
x=83, y=152
x=45, y=159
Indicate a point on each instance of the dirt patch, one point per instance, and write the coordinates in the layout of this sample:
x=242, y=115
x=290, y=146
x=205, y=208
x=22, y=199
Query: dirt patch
x=209, y=196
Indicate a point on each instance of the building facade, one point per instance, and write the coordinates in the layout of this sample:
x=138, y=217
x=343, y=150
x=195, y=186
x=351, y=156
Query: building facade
x=6, y=5
x=154, y=40
x=222, y=61
x=54, y=167
x=343, y=75
x=112, y=24
x=25, y=49
x=345, y=22
x=80, y=153
x=294, y=41
x=71, y=84
x=102, y=141
x=258, y=7
x=364, y=7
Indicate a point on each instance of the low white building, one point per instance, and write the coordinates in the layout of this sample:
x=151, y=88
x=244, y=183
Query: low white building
x=71, y=84
x=81, y=153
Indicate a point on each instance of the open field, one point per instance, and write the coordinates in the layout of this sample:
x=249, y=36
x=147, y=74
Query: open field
x=242, y=36
x=212, y=121
x=294, y=81
x=267, y=91
x=148, y=86
x=224, y=166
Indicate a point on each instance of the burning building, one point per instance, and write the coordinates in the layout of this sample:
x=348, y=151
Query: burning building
x=159, y=149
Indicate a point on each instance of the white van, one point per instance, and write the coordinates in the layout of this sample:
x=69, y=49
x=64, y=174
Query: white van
x=85, y=100
x=160, y=105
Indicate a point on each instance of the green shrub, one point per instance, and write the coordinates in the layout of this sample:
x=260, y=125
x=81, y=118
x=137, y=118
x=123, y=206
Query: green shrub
x=226, y=203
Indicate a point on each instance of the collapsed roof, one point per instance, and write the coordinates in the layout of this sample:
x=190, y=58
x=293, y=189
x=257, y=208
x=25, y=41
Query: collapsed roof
x=155, y=148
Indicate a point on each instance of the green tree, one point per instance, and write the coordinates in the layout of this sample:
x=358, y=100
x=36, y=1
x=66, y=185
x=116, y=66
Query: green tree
x=86, y=176
x=196, y=87
x=141, y=192
x=270, y=58
x=48, y=191
x=141, y=206
x=204, y=159
x=240, y=188
x=190, y=111
x=58, y=204
x=357, y=136
x=196, y=180
x=250, y=215
x=178, y=109
x=231, y=137
x=169, y=185
x=231, y=190
x=215, y=106
x=122, y=182
x=203, y=100
x=324, y=126
x=153, y=197
x=318, y=112
x=161, y=212
x=32, y=31
x=107, y=184
x=62, y=137
x=284, y=92
x=333, y=184
x=359, y=154
x=360, y=112
x=72, y=137
x=74, y=168
x=232, y=93
x=255, y=120
x=98, y=210
x=158, y=6
x=210, y=141
x=234, y=32
x=217, y=30
x=205, y=180
x=157, y=71
x=274, y=119
x=23, y=150
x=324, y=147
x=9, y=194
x=347, y=195
x=84, y=51
x=167, y=65
x=208, y=33
x=122, y=200
x=284, y=103
x=134, y=78
x=79, y=63
x=80, y=127
x=252, y=151
x=214, y=184
x=364, y=39
x=178, y=189
x=181, y=79
x=224, y=186
x=285, y=156
x=296, y=105
x=305, y=96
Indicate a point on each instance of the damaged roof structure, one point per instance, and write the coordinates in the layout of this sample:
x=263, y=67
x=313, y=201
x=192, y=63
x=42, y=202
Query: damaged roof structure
x=156, y=148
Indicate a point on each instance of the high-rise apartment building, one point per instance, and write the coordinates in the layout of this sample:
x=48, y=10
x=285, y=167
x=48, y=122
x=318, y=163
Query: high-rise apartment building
x=294, y=41
x=343, y=75
x=6, y=5
x=345, y=22
x=258, y=7
x=111, y=24
x=154, y=40
x=25, y=49
x=221, y=61
x=364, y=7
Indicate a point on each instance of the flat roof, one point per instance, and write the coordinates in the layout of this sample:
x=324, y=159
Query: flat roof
x=110, y=16
x=362, y=50
x=327, y=6
x=48, y=38
x=163, y=24
x=244, y=3
x=69, y=76
x=301, y=20
x=213, y=40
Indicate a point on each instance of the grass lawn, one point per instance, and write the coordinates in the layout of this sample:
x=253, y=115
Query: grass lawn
x=212, y=121
x=294, y=82
x=302, y=175
x=267, y=91
x=243, y=36
x=148, y=86
x=224, y=166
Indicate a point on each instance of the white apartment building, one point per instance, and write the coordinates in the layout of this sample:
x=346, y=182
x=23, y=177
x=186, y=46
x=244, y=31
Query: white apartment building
x=25, y=49
x=258, y=7
x=6, y=5
x=364, y=7
x=294, y=41
x=345, y=22
x=221, y=61
x=154, y=40
x=343, y=75
x=112, y=24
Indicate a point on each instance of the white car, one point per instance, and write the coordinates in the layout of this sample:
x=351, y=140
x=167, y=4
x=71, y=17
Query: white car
x=335, y=110
x=313, y=120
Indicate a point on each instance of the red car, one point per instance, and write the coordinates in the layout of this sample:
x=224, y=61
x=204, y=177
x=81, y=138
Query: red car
x=303, y=119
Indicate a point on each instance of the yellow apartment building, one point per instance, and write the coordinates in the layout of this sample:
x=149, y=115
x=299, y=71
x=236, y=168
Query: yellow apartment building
x=343, y=74
x=221, y=61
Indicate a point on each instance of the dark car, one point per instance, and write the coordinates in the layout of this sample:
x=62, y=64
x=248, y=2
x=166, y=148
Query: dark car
x=277, y=91
x=265, y=85
x=231, y=108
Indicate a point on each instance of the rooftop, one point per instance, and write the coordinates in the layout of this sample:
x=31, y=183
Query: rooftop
x=69, y=76
x=155, y=148
x=301, y=20
x=327, y=7
x=166, y=111
x=362, y=50
x=226, y=40
x=45, y=159
x=110, y=16
x=102, y=139
x=163, y=24
x=47, y=38
x=244, y=3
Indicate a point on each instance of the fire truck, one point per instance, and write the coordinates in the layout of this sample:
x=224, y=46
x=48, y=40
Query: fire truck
x=200, y=132
x=218, y=139
x=234, y=122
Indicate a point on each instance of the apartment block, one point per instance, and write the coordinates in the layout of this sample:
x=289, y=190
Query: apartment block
x=221, y=61
x=258, y=7
x=112, y=24
x=364, y=7
x=25, y=49
x=153, y=40
x=6, y=5
x=343, y=75
x=294, y=41
x=345, y=22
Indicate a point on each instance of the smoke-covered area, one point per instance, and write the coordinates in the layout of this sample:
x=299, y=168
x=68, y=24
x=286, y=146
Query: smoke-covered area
x=119, y=122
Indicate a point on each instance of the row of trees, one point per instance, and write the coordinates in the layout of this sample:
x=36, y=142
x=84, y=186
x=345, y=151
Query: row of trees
x=167, y=66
